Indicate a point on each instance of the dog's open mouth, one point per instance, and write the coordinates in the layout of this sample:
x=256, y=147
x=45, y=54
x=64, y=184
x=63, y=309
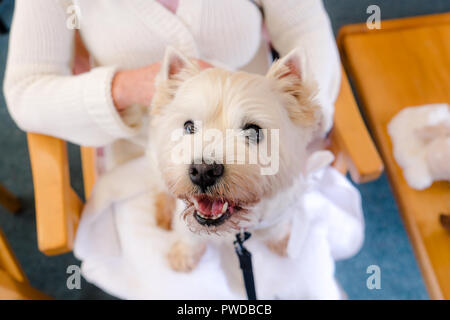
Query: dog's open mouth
x=210, y=211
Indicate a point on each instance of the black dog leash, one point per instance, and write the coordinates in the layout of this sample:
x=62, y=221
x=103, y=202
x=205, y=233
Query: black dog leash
x=245, y=261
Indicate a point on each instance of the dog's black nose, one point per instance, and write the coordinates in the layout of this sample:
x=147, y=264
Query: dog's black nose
x=205, y=175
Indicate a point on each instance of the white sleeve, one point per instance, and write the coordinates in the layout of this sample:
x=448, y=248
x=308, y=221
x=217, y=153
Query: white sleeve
x=41, y=93
x=305, y=24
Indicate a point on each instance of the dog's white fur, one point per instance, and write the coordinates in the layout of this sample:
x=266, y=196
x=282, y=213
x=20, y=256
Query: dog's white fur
x=283, y=99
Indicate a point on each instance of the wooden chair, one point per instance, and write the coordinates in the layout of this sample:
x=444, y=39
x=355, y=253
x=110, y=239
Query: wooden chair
x=14, y=284
x=406, y=63
x=8, y=200
x=58, y=207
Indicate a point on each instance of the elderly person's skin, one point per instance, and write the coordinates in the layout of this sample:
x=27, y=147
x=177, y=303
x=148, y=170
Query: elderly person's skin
x=129, y=87
x=136, y=86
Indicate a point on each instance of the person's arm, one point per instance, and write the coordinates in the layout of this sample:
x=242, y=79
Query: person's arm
x=305, y=24
x=42, y=94
x=136, y=86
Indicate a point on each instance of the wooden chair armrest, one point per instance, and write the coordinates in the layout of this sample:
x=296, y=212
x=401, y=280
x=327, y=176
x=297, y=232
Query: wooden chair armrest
x=58, y=207
x=88, y=161
x=350, y=140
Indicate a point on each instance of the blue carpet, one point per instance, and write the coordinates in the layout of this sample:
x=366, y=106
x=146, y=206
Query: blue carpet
x=386, y=244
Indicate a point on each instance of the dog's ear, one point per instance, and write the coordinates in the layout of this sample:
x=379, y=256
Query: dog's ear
x=299, y=92
x=175, y=69
x=290, y=65
x=176, y=66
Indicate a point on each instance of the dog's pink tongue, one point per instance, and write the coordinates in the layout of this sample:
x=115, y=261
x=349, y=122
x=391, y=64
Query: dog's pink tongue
x=210, y=207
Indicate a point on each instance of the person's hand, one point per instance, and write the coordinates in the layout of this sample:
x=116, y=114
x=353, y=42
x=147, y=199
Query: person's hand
x=129, y=87
x=136, y=86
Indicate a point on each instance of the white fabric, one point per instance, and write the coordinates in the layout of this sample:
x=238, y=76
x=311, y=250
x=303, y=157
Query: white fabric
x=124, y=253
x=42, y=95
x=420, y=148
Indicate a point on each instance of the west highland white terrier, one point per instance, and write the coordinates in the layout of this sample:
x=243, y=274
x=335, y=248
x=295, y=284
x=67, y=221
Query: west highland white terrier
x=229, y=146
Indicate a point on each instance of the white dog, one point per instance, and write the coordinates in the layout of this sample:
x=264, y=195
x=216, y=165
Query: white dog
x=213, y=173
x=276, y=112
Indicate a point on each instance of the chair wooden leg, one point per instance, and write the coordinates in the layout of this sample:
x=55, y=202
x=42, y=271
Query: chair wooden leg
x=10, y=289
x=14, y=284
x=8, y=200
x=9, y=262
x=340, y=162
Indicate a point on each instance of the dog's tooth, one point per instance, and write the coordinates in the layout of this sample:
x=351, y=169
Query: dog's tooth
x=195, y=203
x=209, y=217
x=198, y=212
x=225, y=207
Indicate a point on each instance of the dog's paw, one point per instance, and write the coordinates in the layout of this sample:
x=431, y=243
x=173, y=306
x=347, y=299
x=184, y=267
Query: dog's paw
x=279, y=246
x=134, y=115
x=184, y=257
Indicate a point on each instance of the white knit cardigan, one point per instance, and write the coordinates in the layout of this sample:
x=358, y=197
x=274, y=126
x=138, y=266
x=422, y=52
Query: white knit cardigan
x=43, y=96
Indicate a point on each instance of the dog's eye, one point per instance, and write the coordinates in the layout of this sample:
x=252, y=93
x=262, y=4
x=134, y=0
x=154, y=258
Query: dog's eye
x=189, y=127
x=253, y=132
